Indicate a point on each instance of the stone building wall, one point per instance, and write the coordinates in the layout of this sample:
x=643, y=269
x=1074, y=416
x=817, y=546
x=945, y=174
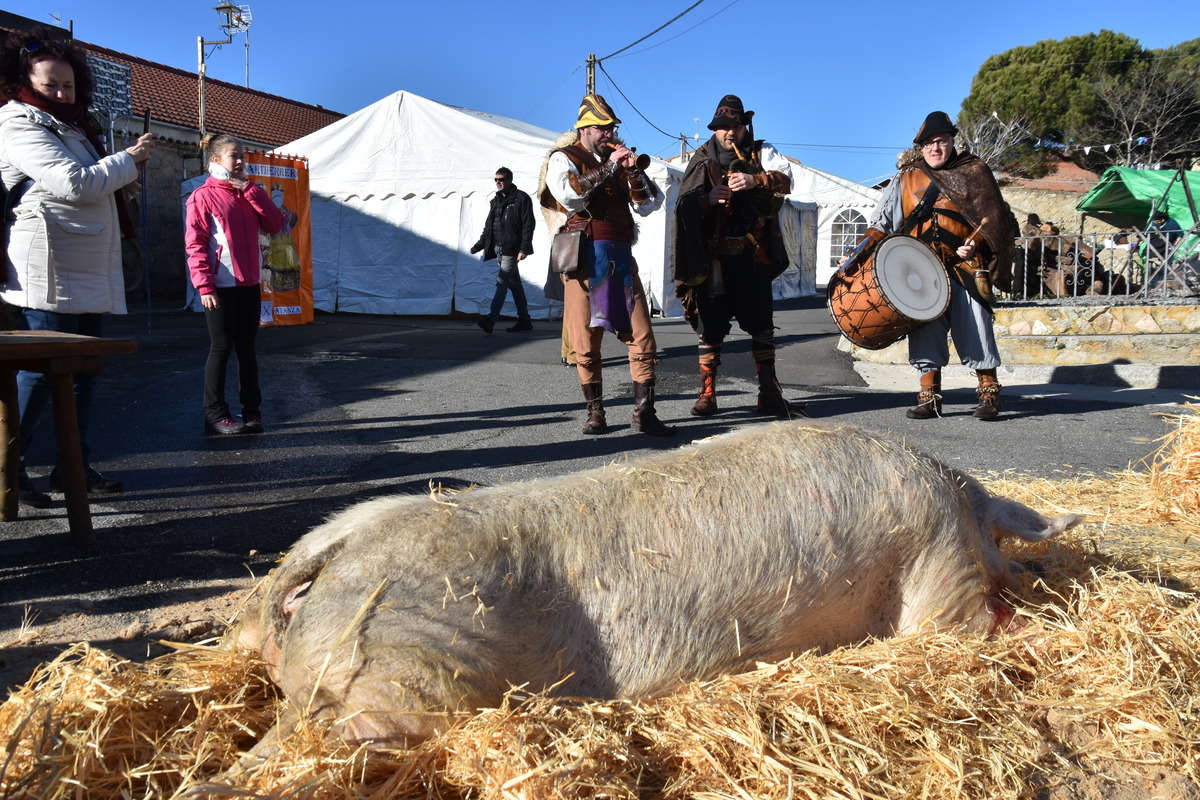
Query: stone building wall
x=1051, y=206
x=174, y=161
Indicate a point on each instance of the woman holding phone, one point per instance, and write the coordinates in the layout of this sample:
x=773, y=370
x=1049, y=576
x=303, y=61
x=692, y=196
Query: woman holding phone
x=225, y=216
x=65, y=216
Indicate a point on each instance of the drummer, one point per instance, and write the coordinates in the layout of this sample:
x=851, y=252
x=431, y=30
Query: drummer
x=977, y=257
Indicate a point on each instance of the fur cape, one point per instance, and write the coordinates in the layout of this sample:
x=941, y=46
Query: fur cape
x=969, y=184
x=553, y=215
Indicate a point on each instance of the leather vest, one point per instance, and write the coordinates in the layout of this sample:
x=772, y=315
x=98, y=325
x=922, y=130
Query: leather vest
x=609, y=201
x=945, y=225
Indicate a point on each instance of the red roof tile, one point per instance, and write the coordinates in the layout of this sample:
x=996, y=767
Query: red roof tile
x=248, y=114
x=1064, y=176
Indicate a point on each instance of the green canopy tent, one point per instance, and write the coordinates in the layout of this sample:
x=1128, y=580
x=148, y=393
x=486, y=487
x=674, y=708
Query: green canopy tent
x=1125, y=197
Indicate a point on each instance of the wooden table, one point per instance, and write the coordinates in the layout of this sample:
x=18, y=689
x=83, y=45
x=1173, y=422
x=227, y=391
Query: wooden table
x=59, y=356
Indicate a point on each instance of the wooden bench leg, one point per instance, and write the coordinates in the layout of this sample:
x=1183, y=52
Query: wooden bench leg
x=10, y=446
x=70, y=459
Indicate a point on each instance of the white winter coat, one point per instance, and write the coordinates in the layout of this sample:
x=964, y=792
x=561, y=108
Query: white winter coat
x=64, y=249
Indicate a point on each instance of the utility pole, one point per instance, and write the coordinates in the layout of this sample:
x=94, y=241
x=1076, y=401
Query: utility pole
x=200, y=70
x=591, y=74
x=237, y=20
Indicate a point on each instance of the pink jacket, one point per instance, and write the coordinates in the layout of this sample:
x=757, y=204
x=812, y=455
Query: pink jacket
x=221, y=234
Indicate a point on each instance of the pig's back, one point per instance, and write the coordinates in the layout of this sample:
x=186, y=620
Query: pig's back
x=749, y=547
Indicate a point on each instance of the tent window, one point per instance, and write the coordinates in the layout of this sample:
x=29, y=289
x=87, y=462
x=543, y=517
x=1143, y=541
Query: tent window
x=848, y=227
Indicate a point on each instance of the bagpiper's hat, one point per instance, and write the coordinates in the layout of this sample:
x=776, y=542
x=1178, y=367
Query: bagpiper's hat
x=593, y=110
x=730, y=113
x=937, y=122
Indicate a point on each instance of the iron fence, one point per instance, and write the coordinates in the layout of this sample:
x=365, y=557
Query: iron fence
x=1102, y=268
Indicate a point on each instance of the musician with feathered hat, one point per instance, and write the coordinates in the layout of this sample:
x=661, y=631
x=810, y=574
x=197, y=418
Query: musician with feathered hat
x=728, y=249
x=971, y=229
x=593, y=183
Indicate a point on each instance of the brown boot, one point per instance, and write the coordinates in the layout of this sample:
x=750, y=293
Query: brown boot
x=643, y=411
x=988, y=392
x=596, y=424
x=929, y=400
x=706, y=406
x=770, y=398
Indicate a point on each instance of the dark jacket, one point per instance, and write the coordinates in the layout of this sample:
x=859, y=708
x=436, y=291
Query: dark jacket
x=515, y=211
x=753, y=212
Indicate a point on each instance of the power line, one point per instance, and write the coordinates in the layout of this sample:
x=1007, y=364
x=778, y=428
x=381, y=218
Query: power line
x=627, y=100
x=683, y=32
x=656, y=30
x=552, y=91
x=600, y=63
x=878, y=148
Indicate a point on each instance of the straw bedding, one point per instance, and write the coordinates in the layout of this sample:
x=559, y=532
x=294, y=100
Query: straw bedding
x=1097, y=696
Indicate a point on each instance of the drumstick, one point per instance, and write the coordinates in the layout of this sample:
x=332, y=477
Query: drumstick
x=975, y=232
x=983, y=280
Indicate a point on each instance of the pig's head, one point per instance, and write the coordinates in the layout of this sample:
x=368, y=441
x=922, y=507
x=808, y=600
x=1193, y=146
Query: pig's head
x=263, y=627
x=1000, y=518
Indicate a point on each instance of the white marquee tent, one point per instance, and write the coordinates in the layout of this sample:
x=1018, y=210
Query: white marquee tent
x=843, y=209
x=400, y=192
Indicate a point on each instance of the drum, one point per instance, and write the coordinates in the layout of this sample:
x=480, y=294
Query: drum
x=881, y=298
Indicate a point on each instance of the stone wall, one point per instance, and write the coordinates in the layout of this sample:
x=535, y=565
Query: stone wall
x=1054, y=207
x=174, y=161
x=1162, y=335
x=1165, y=337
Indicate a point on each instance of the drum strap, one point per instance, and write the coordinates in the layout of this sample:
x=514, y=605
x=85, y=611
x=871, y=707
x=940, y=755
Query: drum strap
x=923, y=210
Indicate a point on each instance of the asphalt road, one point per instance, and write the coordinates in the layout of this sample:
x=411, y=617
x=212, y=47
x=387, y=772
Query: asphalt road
x=359, y=406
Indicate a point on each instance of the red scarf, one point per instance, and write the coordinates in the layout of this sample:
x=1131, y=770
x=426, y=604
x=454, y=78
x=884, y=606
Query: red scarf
x=75, y=115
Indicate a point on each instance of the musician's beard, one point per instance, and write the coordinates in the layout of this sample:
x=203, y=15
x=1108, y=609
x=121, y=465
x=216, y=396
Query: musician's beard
x=604, y=149
x=725, y=155
x=742, y=141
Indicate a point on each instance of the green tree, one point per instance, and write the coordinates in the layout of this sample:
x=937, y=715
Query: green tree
x=1150, y=116
x=1051, y=85
x=1182, y=62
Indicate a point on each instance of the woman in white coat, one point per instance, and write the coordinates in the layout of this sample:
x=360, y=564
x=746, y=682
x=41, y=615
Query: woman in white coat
x=68, y=214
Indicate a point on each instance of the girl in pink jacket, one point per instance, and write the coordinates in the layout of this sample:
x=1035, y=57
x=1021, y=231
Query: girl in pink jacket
x=224, y=218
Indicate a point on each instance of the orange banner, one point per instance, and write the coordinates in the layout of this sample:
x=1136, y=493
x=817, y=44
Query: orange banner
x=287, y=295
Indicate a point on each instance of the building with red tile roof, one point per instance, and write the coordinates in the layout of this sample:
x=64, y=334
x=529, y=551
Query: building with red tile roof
x=1064, y=176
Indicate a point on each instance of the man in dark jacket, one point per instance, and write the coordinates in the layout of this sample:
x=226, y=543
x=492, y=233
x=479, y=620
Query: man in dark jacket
x=507, y=233
x=728, y=249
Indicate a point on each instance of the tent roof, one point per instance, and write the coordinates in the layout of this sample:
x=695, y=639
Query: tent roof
x=411, y=146
x=812, y=185
x=1126, y=197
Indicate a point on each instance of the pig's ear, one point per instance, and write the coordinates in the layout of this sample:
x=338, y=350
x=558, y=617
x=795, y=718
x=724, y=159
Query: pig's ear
x=1010, y=518
x=293, y=600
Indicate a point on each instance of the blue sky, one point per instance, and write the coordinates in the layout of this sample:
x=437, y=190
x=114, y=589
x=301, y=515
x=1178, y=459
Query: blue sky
x=839, y=86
